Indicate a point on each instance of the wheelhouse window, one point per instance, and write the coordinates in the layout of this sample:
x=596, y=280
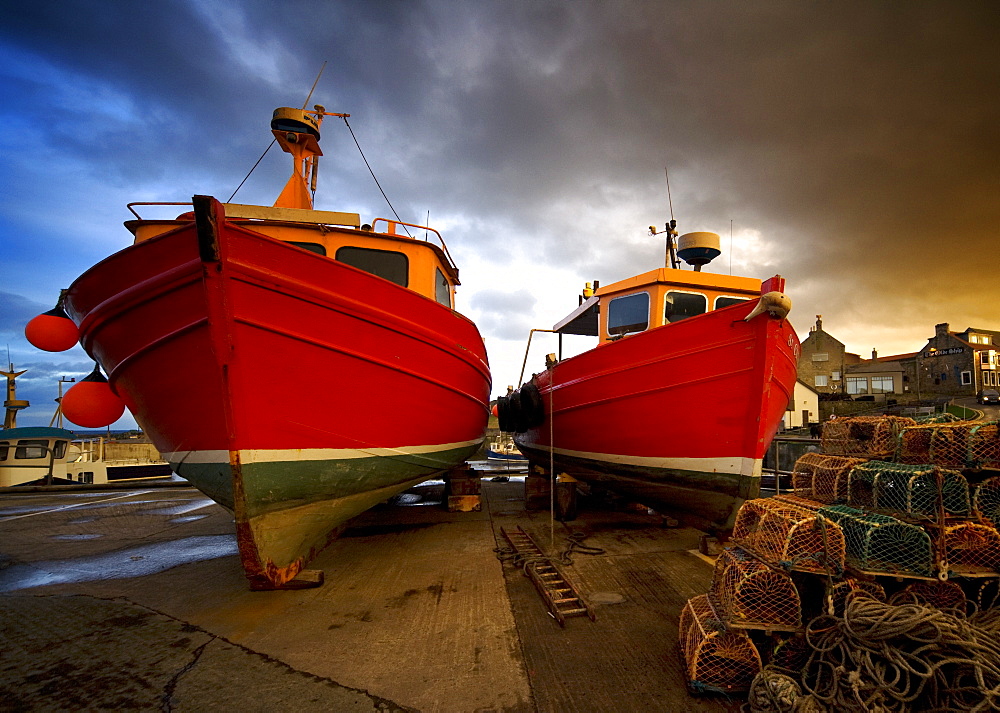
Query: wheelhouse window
x=442, y=290
x=387, y=264
x=726, y=301
x=311, y=247
x=857, y=384
x=681, y=305
x=4, y=450
x=628, y=314
x=31, y=449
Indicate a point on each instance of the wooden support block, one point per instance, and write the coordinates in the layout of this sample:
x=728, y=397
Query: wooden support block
x=464, y=503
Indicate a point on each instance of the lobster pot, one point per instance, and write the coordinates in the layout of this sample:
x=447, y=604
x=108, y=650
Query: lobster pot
x=789, y=536
x=882, y=544
x=715, y=659
x=863, y=436
x=845, y=590
x=748, y=594
x=943, y=595
x=921, y=491
x=823, y=478
x=970, y=549
x=961, y=444
x=986, y=501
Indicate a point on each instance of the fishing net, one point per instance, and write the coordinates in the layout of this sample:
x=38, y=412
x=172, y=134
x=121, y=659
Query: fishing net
x=789, y=535
x=863, y=436
x=882, y=544
x=840, y=593
x=715, y=658
x=822, y=477
x=748, y=594
x=986, y=501
x=943, y=595
x=970, y=549
x=962, y=444
x=920, y=491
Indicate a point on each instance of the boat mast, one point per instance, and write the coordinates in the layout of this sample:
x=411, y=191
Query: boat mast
x=12, y=404
x=297, y=132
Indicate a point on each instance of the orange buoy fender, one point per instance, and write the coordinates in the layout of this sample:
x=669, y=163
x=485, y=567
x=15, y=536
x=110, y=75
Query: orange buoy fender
x=52, y=331
x=91, y=403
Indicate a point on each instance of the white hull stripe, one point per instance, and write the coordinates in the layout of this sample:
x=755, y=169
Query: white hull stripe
x=730, y=464
x=279, y=455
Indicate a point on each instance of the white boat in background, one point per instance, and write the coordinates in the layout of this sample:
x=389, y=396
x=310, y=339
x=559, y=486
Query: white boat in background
x=504, y=449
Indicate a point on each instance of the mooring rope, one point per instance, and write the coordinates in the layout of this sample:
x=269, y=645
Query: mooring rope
x=884, y=657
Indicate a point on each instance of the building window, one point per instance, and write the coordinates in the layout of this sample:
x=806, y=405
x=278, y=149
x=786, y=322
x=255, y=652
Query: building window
x=835, y=376
x=966, y=378
x=681, y=305
x=628, y=314
x=857, y=384
x=882, y=385
x=820, y=380
x=721, y=302
x=387, y=264
x=442, y=293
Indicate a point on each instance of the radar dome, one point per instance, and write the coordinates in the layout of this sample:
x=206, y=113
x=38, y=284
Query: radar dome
x=698, y=248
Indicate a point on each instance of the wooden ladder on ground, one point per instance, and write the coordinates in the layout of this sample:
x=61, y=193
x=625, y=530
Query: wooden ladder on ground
x=560, y=596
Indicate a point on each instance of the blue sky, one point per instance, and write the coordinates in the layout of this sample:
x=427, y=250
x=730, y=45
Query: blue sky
x=852, y=146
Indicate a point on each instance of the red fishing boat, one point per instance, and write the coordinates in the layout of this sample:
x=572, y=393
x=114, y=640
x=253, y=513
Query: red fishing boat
x=677, y=404
x=295, y=365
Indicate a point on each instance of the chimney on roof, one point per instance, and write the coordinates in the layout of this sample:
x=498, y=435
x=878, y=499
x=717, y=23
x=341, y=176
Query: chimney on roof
x=819, y=322
x=874, y=355
x=941, y=330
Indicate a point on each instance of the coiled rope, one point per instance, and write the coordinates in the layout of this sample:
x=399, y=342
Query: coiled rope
x=885, y=658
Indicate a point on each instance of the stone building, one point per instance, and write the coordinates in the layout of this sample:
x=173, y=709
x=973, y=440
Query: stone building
x=823, y=360
x=950, y=364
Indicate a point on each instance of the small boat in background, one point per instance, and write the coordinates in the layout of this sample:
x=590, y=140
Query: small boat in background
x=503, y=448
x=677, y=404
x=47, y=455
x=296, y=365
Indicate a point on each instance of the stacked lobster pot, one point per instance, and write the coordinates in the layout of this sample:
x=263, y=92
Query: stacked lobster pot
x=886, y=505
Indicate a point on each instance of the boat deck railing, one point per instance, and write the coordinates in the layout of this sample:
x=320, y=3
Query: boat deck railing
x=391, y=229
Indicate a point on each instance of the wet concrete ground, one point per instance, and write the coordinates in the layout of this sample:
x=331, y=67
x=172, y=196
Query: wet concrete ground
x=136, y=601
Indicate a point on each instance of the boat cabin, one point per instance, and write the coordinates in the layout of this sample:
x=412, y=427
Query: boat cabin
x=403, y=253
x=30, y=453
x=654, y=299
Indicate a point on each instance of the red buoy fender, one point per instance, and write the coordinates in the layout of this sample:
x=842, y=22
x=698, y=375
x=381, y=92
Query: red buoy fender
x=91, y=403
x=52, y=331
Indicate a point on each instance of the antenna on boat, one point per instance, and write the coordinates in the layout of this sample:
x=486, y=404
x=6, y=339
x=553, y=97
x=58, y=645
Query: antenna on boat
x=309, y=95
x=671, y=231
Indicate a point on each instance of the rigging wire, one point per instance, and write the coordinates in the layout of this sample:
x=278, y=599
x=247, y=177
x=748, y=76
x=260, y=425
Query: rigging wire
x=252, y=170
x=373, y=175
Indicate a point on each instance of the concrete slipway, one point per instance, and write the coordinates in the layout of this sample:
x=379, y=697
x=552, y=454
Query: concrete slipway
x=135, y=600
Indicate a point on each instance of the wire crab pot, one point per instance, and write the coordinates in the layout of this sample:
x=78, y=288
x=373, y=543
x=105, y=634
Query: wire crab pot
x=969, y=549
x=716, y=659
x=840, y=593
x=749, y=594
x=789, y=535
x=863, y=436
x=880, y=544
x=823, y=478
x=943, y=595
x=961, y=444
x=986, y=501
x=925, y=492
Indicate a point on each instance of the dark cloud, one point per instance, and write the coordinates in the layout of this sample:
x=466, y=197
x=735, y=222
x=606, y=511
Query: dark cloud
x=857, y=139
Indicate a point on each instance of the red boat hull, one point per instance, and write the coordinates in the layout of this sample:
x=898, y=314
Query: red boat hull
x=292, y=388
x=678, y=417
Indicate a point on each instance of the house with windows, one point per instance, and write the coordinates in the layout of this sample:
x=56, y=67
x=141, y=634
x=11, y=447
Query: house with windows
x=949, y=364
x=823, y=360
